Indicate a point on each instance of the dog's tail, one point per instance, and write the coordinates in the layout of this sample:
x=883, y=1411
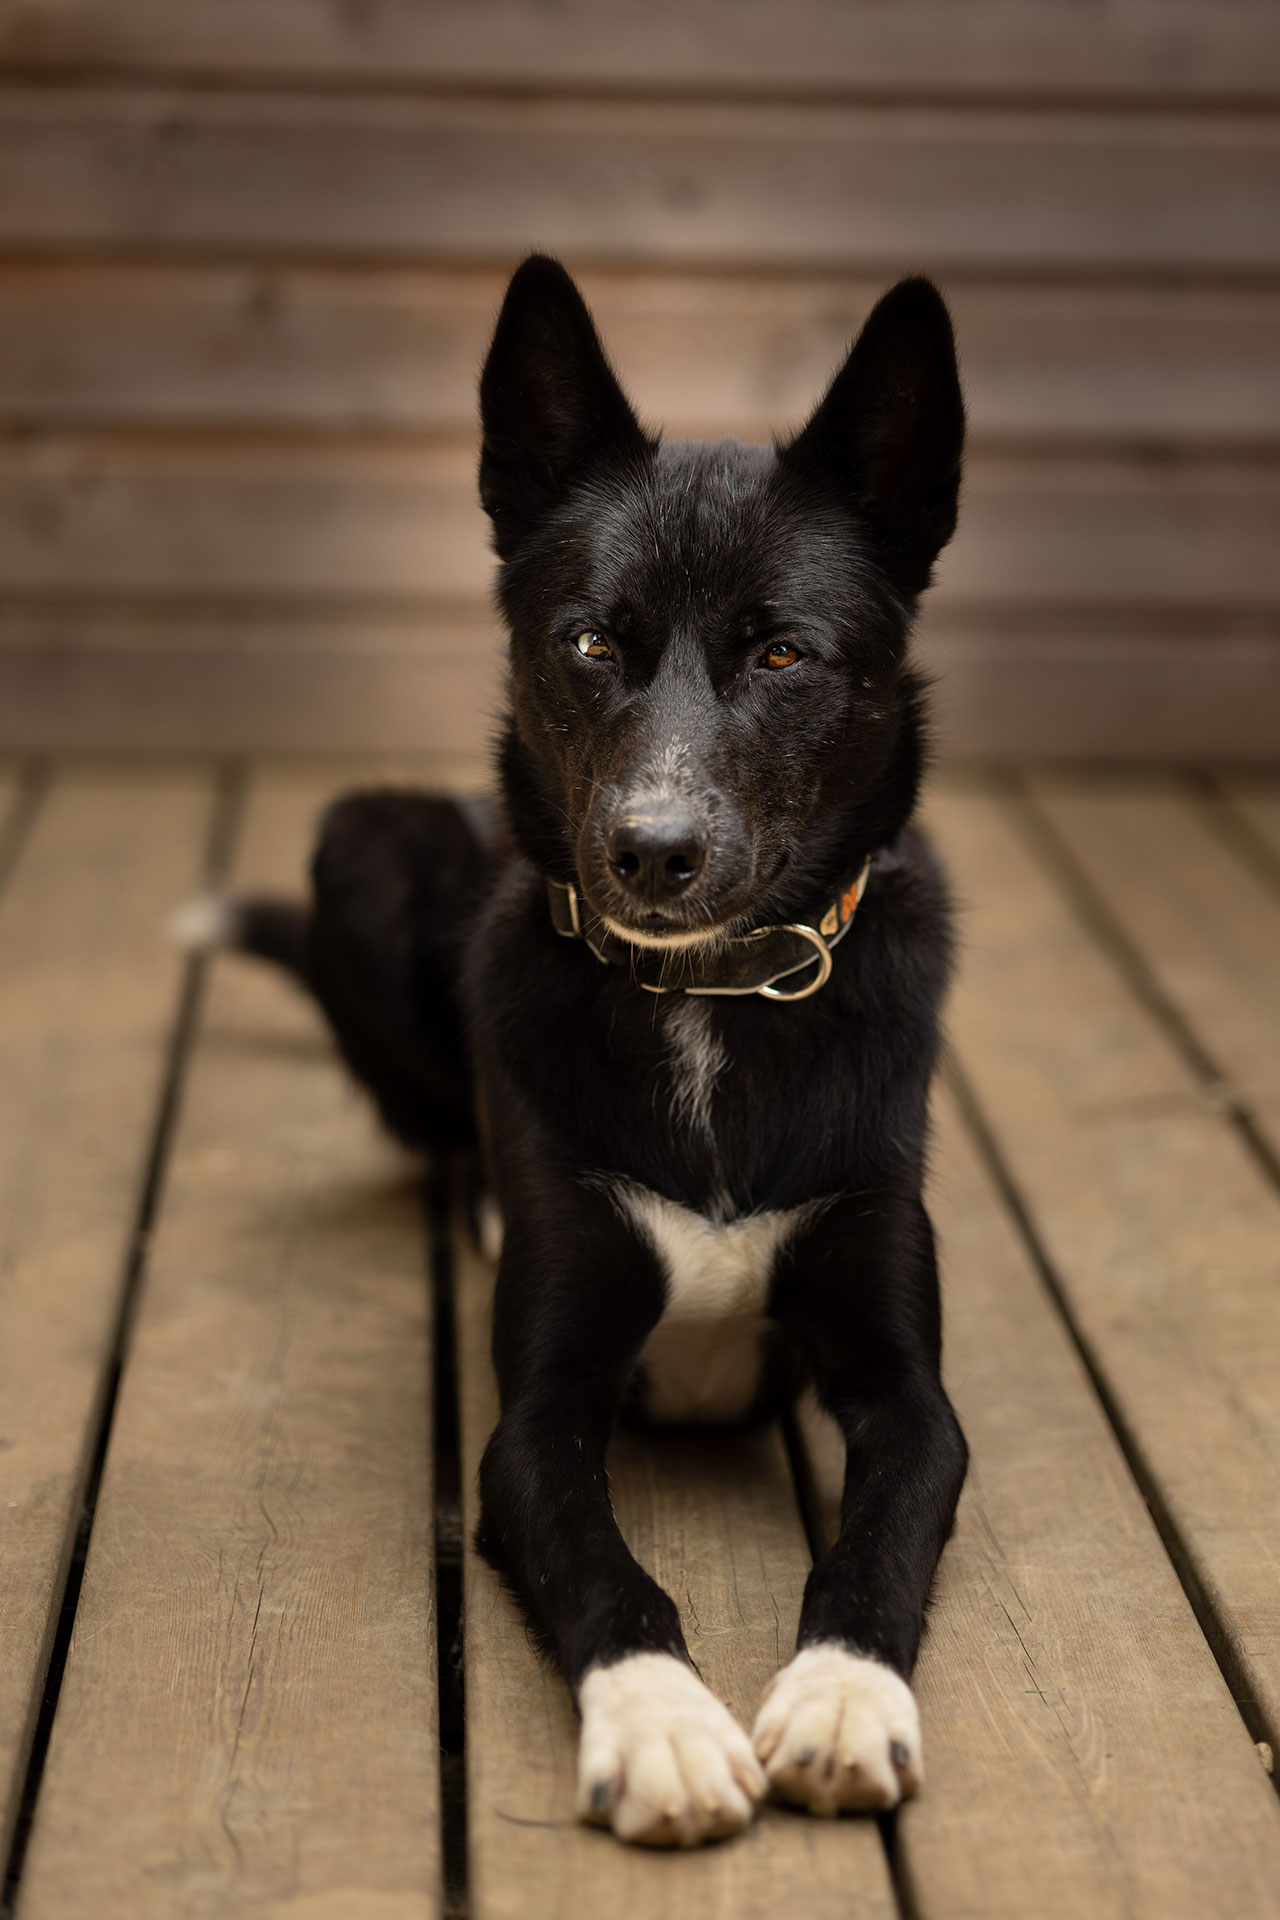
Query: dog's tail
x=270, y=927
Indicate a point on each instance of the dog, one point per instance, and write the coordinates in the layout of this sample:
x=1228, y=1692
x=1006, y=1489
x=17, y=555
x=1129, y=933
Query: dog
x=682, y=987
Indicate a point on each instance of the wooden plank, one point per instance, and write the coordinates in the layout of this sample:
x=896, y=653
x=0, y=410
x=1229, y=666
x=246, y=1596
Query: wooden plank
x=14, y=803
x=819, y=46
x=1207, y=928
x=868, y=188
x=88, y=995
x=249, y=678
x=388, y=350
x=246, y=677
x=714, y=1519
x=1159, y=1225
x=1083, y=1755
x=247, y=1723
x=214, y=518
x=1258, y=799
x=1175, y=688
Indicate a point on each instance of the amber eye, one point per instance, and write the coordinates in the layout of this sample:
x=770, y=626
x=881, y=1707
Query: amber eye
x=592, y=647
x=779, y=655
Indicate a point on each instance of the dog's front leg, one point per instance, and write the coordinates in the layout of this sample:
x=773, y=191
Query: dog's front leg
x=661, y=1760
x=839, y=1726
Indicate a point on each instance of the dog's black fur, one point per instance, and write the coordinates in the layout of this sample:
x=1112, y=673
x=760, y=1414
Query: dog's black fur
x=761, y=784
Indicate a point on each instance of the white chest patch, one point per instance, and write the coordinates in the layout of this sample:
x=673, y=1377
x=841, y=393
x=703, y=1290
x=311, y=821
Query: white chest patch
x=702, y=1360
x=698, y=1059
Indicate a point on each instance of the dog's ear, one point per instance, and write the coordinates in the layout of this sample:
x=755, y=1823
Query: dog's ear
x=890, y=431
x=551, y=409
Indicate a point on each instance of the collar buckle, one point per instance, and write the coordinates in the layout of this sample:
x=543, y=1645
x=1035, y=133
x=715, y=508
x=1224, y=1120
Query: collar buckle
x=574, y=920
x=820, y=979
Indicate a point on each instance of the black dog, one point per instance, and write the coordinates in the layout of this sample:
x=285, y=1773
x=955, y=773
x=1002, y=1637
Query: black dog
x=694, y=982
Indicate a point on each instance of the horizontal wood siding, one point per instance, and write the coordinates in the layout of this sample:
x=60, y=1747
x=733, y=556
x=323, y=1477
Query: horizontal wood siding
x=251, y=255
x=778, y=186
x=1177, y=49
x=389, y=522
x=277, y=347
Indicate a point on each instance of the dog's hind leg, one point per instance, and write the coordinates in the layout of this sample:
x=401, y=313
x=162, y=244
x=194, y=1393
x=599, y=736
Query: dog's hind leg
x=394, y=878
x=839, y=1728
x=661, y=1760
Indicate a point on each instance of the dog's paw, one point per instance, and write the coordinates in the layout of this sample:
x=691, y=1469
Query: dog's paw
x=838, y=1731
x=661, y=1760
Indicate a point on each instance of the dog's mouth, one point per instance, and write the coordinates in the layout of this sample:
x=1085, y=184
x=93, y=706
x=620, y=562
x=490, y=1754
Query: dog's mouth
x=691, y=926
x=665, y=934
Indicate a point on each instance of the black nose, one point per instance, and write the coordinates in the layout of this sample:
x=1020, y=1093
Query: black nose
x=655, y=855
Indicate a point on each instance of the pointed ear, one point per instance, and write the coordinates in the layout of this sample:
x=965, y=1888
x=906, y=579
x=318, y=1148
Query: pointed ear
x=890, y=431
x=550, y=406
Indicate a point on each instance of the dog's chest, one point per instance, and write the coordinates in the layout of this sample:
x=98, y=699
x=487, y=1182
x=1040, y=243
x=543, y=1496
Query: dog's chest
x=702, y=1361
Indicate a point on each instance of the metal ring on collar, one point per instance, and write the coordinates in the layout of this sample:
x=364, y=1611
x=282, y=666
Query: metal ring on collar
x=823, y=957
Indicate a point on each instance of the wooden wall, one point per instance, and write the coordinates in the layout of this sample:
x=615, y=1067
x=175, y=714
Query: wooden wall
x=250, y=251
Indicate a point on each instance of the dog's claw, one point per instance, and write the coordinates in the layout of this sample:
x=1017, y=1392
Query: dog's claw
x=663, y=1762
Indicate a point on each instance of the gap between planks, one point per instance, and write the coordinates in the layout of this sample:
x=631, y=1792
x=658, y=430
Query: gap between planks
x=88, y=997
x=1158, y=1224
x=1084, y=1759
x=256, y=347
x=715, y=1519
x=197, y=518
x=868, y=188
x=1158, y=870
x=255, y=1626
x=920, y=1872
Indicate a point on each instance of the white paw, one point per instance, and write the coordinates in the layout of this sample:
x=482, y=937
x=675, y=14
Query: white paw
x=661, y=1761
x=838, y=1731
x=489, y=1228
x=210, y=920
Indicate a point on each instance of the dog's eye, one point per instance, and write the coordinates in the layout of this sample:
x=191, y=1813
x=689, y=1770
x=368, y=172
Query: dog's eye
x=779, y=655
x=592, y=647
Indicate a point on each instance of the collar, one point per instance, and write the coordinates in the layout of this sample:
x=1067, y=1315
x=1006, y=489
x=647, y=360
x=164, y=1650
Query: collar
x=749, y=963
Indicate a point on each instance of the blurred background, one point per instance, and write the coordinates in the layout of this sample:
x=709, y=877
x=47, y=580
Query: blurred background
x=252, y=250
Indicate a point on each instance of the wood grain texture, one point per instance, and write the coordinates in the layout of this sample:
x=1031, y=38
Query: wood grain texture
x=714, y=1519
x=1084, y=1759
x=376, y=349
x=1161, y=1228
x=1206, y=926
x=207, y=517
x=88, y=994
x=248, y=1719
x=868, y=188
x=1168, y=48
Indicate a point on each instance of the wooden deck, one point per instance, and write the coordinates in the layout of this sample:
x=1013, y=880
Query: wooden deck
x=241, y=1423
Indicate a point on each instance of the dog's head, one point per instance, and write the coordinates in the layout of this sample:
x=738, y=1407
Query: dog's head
x=711, y=712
